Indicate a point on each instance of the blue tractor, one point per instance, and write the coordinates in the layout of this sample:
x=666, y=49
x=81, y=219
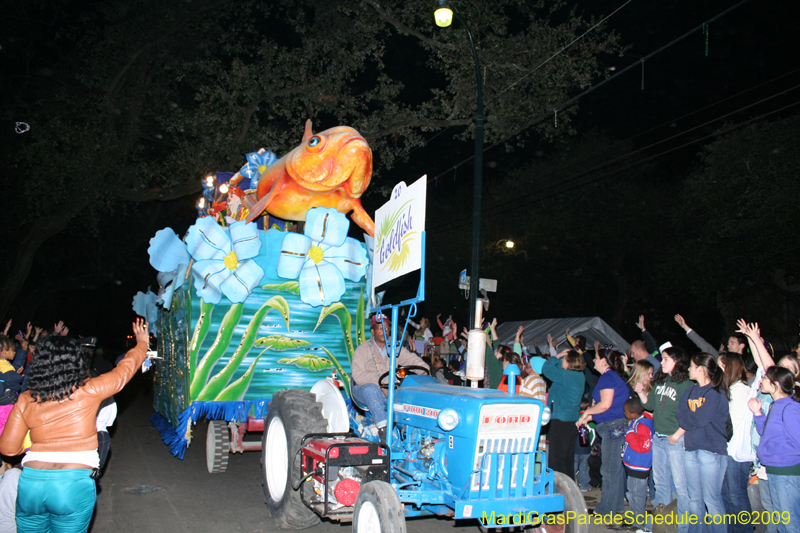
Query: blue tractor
x=460, y=452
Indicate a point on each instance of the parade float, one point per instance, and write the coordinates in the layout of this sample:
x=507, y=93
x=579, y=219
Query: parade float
x=241, y=311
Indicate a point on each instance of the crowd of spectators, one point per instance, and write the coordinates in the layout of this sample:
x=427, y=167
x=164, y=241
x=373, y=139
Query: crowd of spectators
x=695, y=428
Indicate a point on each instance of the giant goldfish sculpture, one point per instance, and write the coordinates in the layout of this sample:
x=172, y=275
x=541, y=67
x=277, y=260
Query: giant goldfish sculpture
x=328, y=169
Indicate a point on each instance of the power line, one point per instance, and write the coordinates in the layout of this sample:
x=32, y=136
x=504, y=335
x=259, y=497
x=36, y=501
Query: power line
x=564, y=105
x=563, y=49
x=610, y=173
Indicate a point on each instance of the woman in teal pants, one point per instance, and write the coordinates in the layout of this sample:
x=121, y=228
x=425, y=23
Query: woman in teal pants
x=56, y=489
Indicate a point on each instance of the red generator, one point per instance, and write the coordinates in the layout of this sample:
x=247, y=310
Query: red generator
x=334, y=467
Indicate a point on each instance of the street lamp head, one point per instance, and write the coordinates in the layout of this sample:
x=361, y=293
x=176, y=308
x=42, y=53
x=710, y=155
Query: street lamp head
x=443, y=15
x=509, y=244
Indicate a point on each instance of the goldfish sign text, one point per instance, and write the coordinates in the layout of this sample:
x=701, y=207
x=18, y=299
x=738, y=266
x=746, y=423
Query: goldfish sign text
x=392, y=242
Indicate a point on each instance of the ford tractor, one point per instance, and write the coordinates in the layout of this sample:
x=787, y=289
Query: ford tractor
x=460, y=452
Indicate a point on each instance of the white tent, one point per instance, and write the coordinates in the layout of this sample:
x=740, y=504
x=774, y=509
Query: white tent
x=593, y=328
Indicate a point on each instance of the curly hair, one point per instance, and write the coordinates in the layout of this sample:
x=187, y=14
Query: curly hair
x=680, y=372
x=57, y=369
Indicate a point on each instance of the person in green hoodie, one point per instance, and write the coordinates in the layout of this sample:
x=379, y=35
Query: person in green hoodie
x=565, y=370
x=668, y=459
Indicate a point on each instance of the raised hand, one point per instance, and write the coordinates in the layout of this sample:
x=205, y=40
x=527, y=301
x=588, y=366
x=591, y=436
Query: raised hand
x=140, y=332
x=640, y=324
x=596, y=346
x=550, y=340
x=8, y=326
x=682, y=323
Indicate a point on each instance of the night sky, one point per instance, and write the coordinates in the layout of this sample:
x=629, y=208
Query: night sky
x=733, y=72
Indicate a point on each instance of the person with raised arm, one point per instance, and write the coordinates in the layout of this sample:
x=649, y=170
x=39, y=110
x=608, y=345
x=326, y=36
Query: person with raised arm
x=57, y=488
x=779, y=449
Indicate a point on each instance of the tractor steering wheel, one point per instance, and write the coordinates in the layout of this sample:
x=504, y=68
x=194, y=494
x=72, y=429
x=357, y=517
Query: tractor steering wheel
x=402, y=371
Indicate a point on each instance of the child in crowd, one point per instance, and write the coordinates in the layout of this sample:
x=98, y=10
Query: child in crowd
x=582, y=454
x=638, y=459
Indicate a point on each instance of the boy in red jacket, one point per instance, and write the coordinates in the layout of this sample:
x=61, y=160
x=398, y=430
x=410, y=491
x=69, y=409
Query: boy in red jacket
x=637, y=456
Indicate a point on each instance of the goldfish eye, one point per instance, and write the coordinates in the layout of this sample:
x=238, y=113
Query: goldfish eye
x=314, y=141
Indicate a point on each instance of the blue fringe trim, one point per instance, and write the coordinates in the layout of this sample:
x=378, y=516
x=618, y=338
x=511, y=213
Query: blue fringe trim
x=177, y=439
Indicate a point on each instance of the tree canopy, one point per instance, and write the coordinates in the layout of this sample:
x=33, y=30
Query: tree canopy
x=129, y=102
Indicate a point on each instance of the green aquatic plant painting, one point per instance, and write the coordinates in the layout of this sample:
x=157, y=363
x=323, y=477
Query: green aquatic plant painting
x=314, y=363
x=253, y=349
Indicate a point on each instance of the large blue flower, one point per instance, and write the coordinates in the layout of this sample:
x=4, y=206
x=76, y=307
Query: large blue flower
x=168, y=255
x=257, y=164
x=144, y=305
x=322, y=258
x=224, y=259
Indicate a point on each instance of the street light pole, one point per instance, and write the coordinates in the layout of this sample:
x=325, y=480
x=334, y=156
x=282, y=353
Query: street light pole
x=477, y=193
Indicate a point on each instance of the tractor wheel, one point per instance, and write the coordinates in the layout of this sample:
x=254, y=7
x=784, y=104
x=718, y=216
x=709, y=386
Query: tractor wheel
x=218, y=446
x=378, y=510
x=293, y=413
x=574, y=502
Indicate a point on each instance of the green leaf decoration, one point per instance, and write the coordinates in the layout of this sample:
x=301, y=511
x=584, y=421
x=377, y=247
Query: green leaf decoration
x=281, y=343
x=312, y=362
x=388, y=224
x=397, y=260
x=218, y=382
x=290, y=286
x=200, y=332
x=236, y=390
x=345, y=377
x=345, y=321
x=220, y=346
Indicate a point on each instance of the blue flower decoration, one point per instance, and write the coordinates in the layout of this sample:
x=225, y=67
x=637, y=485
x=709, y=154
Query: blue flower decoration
x=256, y=165
x=322, y=258
x=224, y=259
x=370, y=242
x=168, y=255
x=144, y=305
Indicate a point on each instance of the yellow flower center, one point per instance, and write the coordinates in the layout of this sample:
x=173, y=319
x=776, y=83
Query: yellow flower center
x=262, y=169
x=316, y=254
x=231, y=261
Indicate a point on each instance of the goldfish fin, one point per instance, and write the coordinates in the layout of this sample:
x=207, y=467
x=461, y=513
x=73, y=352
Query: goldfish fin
x=362, y=218
x=260, y=206
x=307, y=133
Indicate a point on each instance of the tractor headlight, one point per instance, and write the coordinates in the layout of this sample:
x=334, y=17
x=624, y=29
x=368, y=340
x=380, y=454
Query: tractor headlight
x=545, y=415
x=448, y=419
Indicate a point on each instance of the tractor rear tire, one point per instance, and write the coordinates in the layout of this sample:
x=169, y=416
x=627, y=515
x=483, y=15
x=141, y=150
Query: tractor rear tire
x=218, y=446
x=293, y=413
x=573, y=502
x=378, y=509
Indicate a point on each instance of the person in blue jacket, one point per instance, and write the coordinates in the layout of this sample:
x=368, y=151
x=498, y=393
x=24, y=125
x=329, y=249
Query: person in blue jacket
x=702, y=416
x=779, y=449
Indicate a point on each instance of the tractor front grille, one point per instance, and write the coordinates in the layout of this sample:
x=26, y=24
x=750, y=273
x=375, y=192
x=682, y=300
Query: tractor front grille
x=505, y=450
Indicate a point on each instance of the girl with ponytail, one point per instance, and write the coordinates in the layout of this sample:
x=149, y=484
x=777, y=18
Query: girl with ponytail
x=703, y=414
x=779, y=449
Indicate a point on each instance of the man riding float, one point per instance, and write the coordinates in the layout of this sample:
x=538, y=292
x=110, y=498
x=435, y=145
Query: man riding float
x=371, y=361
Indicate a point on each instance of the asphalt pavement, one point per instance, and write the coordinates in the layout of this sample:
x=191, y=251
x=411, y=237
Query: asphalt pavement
x=146, y=489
